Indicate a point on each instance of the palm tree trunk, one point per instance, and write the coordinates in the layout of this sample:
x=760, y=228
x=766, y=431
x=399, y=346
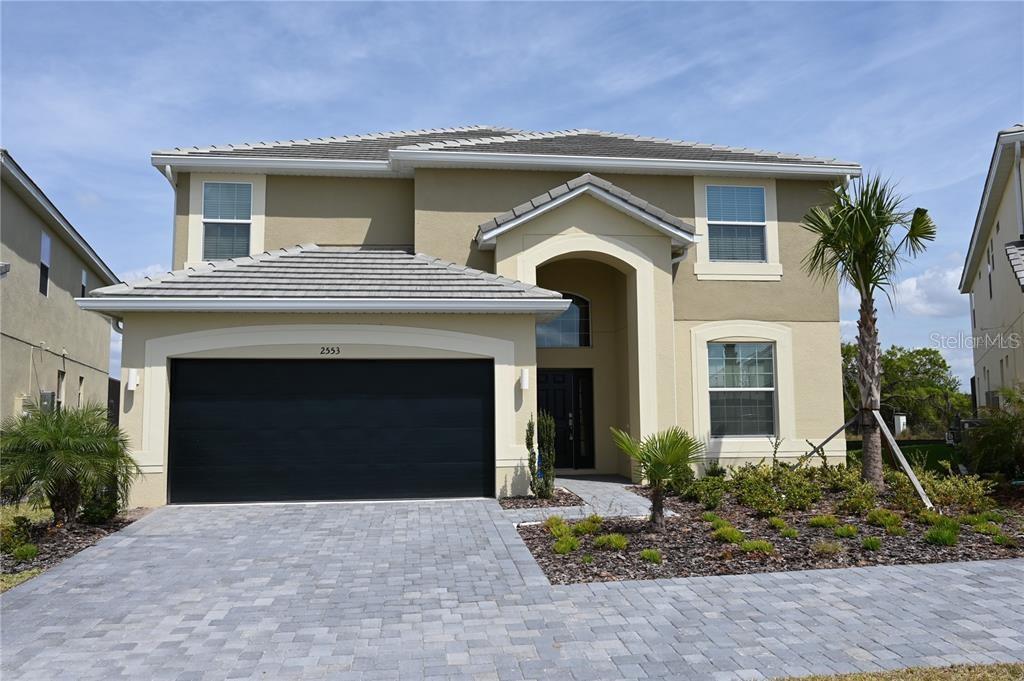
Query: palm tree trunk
x=869, y=380
x=657, y=509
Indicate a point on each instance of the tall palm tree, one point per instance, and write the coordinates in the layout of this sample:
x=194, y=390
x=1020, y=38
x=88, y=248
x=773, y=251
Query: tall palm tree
x=864, y=234
x=64, y=456
x=662, y=458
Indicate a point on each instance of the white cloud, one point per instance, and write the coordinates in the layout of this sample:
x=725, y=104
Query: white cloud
x=933, y=293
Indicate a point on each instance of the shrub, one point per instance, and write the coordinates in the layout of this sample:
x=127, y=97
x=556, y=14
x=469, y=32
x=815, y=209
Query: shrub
x=883, y=517
x=827, y=548
x=838, y=478
x=777, y=523
x=19, y=532
x=101, y=506
x=755, y=489
x=546, y=439
x=861, y=499
x=871, y=543
x=757, y=546
x=612, y=542
x=1004, y=540
x=968, y=493
x=565, y=544
x=789, y=533
x=714, y=469
x=997, y=445
x=727, y=535
x=823, y=521
x=651, y=556
x=25, y=552
x=589, y=525
x=531, y=429
x=990, y=529
x=708, y=492
x=797, y=486
x=941, y=536
x=902, y=494
x=846, y=531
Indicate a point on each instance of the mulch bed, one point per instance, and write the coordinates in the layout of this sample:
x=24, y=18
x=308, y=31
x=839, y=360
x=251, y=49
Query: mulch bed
x=56, y=544
x=688, y=550
x=561, y=497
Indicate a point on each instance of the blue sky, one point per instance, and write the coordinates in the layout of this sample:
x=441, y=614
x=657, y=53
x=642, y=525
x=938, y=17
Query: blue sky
x=915, y=91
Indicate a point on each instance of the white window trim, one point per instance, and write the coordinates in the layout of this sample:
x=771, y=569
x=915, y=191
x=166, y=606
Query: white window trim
x=743, y=331
x=257, y=221
x=703, y=267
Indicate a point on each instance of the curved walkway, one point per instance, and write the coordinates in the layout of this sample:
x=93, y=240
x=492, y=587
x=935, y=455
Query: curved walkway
x=446, y=590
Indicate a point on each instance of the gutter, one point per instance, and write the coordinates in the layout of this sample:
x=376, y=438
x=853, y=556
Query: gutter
x=116, y=304
x=182, y=163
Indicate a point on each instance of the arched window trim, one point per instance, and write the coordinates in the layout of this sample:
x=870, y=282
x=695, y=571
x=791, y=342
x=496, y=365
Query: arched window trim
x=584, y=336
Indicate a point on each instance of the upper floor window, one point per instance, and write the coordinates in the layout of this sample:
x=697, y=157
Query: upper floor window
x=736, y=223
x=85, y=283
x=44, y=264
x=741, y=380
x=227, y=219
x=571, y=329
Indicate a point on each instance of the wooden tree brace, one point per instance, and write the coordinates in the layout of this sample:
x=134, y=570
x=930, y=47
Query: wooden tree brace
x=895, y=448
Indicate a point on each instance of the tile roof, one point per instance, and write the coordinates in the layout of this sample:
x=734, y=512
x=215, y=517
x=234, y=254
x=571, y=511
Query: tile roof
x=335, y=272
x=547, y=197
x=1015, y=252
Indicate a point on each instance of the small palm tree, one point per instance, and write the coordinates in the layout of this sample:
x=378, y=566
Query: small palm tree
x=864, y=235
x=63, y=456
x=661, y=457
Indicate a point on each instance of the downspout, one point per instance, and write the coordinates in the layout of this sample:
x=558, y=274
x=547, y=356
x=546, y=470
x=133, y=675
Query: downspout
x=169, y=174
x=1017, y=189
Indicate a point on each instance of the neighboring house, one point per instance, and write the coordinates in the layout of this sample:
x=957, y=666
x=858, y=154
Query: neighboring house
x=993, y=274
x=51, y=351
x=381, y=315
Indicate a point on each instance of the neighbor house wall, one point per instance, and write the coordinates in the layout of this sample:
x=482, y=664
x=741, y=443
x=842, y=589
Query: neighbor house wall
x=44, y=334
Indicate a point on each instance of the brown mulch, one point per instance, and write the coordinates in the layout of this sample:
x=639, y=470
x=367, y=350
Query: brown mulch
x=561, y=497
x=56, y=544
x=688, y=550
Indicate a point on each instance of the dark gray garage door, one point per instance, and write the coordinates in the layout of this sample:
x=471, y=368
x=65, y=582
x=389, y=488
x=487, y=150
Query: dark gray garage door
x=274, y=430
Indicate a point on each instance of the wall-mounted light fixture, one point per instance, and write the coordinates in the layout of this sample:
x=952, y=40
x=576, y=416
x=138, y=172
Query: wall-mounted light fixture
x=524, y=379
x=133, y=380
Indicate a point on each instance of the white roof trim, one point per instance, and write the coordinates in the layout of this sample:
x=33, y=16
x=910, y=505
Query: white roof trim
x=437, y=305
x=30, y=190
x=310, y=166
x=487, y=240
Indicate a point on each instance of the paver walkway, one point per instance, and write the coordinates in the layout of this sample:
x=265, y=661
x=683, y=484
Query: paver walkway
x=446, y=590
x=605, y=495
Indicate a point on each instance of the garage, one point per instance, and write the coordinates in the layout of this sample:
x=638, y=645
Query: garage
x=303, y=430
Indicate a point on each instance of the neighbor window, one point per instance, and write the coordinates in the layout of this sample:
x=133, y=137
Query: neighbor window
x=742, y=387
x=227, y=217
x=44, y=264
x=81, y=391
x=60, y=389
x=736, y=223
x=85, y=283
x=571, y=329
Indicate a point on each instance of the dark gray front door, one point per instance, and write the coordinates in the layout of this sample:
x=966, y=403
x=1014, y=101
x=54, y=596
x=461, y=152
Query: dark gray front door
x=568, y=395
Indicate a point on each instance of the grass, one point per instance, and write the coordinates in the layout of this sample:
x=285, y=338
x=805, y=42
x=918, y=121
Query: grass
x=757, y=546
x=36, y=515
x=823, y=521
x=11, y=581
x=614, y=542
x=993, y=672
x=728, y=535
x=827, y=548
x=871, y=543
x=565, y=544
x=846, y=531
x=651, y=555
x=941, y=536
x=789, y=533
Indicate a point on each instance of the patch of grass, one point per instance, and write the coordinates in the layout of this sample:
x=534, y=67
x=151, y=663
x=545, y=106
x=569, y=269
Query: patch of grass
x=757, y=546
x=789, y=533
x=993, y=672
x=846, y=531
x=613, y=542
x=589, y=525
x=720, y=523
x=895, y=530
x=710, y=517
x=1004, y=540
x=35, y=515
x=883, y=517
x=990, y=529
x=728, y=535
x=777, y=523
x=25, y=552
x=587, y=559
x=565, y=544
x=12, y=580
x=871, y=543
x=651, y=556
x=553, y=522
x=941, y=536
x=823, y=521
x=827, y=548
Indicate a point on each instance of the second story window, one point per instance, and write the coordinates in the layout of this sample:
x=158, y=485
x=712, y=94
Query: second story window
x=736, y=223
x=44, y=264
x=227, y=219
x=85, y=284
x=571, y=329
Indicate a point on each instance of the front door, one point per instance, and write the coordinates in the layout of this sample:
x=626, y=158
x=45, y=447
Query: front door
x=568, y=395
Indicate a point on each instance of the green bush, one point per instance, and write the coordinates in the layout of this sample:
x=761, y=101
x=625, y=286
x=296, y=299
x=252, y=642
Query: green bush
x=902, y=494
x=837, y=478
x=1004, y=540
x=708, y=492
x=651, y=556
x=757, y=546
x=789, y=533
x=941, y=536
x=19, y=532
x=531, y=429
x=997, y=445
x=714, y=469
x=883, y=517
x=871, y=543
x=728, y=535
x=860, y=499
x=827, y=548
x=612, y=542
x=777, y=523
x=546, y=440
x=754, y=488
x=823, y=521
x=846, y=531
x=589, y=525
x=565, y=544
x=798, y=487
x=968, y=493
x=101, y=506
x=25, y=552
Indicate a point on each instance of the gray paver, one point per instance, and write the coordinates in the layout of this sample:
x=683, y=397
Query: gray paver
x=448, y=590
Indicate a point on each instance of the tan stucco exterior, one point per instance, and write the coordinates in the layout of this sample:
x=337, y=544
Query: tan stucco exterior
x=46, y=334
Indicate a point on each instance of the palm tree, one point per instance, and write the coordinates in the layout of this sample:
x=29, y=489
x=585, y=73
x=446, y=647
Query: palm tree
x=662, y=458
x=64, y=456
x=863, y=236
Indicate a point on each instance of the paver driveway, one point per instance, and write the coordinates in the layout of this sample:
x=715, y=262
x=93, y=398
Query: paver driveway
x=447, y=590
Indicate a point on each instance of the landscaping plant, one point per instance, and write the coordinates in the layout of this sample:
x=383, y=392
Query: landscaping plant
x=863, y=236
x=531, y=427
x=651, y=556
x=546, y=439
x=661, y=458
x=64, y=457
x=997, y=445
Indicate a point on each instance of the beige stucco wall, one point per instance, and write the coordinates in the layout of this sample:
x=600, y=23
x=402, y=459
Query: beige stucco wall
x=42, y=335
x=148, y=344
x=998, y=320
x=181, y=204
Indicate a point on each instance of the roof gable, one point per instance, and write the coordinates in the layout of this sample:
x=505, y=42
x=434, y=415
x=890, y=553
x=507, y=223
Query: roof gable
x=671, y=226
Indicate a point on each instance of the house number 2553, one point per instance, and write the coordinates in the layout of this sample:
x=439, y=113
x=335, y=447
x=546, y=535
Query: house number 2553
x=330, y=349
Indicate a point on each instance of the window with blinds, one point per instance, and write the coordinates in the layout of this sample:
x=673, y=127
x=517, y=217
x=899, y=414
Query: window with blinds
x=741, y=379
x=227, y=219
x=736, y=223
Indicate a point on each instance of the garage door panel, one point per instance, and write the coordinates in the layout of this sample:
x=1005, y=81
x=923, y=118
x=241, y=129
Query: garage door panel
x=253, y=430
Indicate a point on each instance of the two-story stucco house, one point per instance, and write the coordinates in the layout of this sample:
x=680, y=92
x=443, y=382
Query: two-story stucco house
x=993, y=274
x=380, y=315
x=51, y=351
